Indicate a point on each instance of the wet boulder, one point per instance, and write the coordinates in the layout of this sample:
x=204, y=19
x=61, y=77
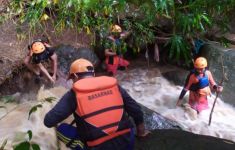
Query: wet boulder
x=167, y=134
x=172, y=139
x=67, y=54
x=154, y=120
x=177, y=76
x=213, y=52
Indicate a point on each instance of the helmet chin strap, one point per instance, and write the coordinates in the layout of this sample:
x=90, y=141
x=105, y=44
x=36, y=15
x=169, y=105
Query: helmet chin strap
x=76, y=75
x=83, y=74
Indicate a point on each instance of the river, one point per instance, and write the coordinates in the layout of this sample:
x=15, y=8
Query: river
x=146, y=86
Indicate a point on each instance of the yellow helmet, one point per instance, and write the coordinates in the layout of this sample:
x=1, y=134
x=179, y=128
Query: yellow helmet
x=200, y=63
x=38, y=47
x=81, y=66
x=116, y=28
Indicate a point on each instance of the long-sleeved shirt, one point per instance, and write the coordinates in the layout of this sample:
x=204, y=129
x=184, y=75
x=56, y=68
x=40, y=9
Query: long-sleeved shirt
x=67, y=106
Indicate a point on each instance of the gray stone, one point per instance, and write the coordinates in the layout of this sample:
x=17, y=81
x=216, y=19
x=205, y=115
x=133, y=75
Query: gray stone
x=177, y=76
x=67, y=54
x=213, y=52
x=173, y=139
x=154, y=120
x=168, y=135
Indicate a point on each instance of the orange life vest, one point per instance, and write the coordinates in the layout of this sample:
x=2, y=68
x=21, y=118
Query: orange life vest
x=115, y=60
x=101, y=105
x=200, y=84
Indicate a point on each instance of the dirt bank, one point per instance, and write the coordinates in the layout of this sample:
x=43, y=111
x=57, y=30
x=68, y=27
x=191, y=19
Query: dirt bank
x=13, y=50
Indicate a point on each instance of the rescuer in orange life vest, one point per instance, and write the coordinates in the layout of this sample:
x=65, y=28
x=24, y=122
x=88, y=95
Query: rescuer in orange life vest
x=100, y=107
x=39, y=52
x=115, y=47
x=199, y=82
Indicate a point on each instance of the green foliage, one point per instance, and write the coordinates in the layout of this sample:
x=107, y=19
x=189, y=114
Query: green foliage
x=179, y=49
x=142, y=34
x=30, y=134
x=23, y=146
x=35, y=108
x=49, y=99
x=164, y=7
x=193, y=22
x=27, y=144
x=35, y=147
x=189, y=18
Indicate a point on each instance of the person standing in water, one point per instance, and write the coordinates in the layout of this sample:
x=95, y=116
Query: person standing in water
x=198, y=82
x=115, y=47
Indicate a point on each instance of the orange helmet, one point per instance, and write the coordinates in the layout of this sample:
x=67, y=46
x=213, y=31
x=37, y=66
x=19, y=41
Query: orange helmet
x=38, y=47
x=116, y=28
x=81, y=66
x=200, y=63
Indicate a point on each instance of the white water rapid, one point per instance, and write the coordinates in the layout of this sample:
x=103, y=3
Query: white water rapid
x=155, y=92
x=146, y=86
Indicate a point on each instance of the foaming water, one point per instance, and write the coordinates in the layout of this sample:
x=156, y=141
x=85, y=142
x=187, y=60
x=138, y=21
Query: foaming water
x=150, y=89
x=16, y=123
x=146, y=86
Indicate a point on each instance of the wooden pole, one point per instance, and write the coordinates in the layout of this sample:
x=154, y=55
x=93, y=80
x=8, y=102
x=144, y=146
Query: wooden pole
x=217, y=93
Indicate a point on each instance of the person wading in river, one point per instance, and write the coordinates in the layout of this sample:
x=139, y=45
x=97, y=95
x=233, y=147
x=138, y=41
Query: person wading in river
x=101, y=109
x=198, y=82
x=115, y=47
x=39, y=52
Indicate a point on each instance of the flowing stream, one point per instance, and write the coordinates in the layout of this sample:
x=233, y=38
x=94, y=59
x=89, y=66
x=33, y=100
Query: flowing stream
x=147, y=87
x=150, y=89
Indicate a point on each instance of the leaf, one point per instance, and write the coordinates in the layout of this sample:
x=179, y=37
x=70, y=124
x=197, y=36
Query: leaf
x=55, y=1
x=88, y=31
x=34, y=109
x=204, y=17
x=50, y=99
x=3, y=144
x=35, y=147
x=30, y=134
x=23, y=146
x=44, y=17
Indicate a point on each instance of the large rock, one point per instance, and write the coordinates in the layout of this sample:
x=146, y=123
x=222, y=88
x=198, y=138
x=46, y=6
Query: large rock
x=213, y=52
x=172, y=139
x=176, y=76
x=167, y=135
x=154, y=120
x=67, y=54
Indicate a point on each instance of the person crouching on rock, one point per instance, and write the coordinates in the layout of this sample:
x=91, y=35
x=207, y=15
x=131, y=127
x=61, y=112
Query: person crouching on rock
x=39, y=52
x=198, y=83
